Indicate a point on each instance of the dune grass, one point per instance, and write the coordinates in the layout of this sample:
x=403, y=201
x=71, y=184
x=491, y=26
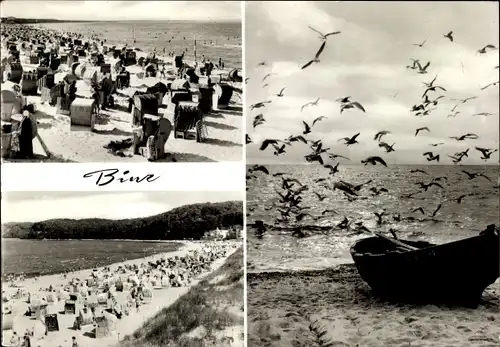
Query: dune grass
x=204, y=307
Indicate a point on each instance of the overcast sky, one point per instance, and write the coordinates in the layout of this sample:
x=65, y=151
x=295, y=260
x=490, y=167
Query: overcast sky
x=38, y=206
x=123, y=10
x=367, y=61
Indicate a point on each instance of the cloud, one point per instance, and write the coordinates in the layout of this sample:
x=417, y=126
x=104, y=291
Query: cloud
x=367, y=61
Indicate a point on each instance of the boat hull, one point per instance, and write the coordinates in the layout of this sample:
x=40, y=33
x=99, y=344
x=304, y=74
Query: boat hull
x=453, y=273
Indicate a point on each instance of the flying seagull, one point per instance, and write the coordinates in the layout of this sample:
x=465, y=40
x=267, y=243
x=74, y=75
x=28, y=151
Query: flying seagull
x=420, y=129
x=378, y=136
x=325, y=36
x=268, y=75
x=316, y=57
x=280, y=94
x=489, y=85
x=351, y=140
x=313, y=103
x=259, y=105
x=484, y=51
x=420, y=44
x=449, y=36
x=374, y=160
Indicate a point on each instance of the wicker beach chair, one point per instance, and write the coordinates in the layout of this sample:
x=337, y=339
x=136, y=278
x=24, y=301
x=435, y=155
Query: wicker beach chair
x=188, y=116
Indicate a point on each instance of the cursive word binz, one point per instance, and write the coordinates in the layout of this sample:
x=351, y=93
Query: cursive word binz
x=105, y=177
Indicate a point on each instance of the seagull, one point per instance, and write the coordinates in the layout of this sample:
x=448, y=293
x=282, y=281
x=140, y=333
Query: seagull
x=436, y=144
x=453, y=114
x=334, y=156
x=431, y=156
x=423, y=70
x=258, y=120
x=247, y=139
x=418, y=170
x=268, y=75
x=268, y=142
x=449, y=36
x=420, y=129
x=463, y=101
x=432, y=89
x=420, y=44
x=262, y=64
x=307, y=128
x=466, y=136
x=325, y=36
x=298, y=138
x=483, y=114
x=414, y=66
x=388, y=148
x=473, y=175
x=314, y=103
x=350, y=141
x=378, y=136
x=436, y=211
x=344, y=99
x=374, y=160
x=281, y=93
x=489, y=85
x=259, y=105
x=259, y=168
x=483, y=50
x=487, y=152
x=317, y=120
x=316, y=57
x=333, y=169
x=279, y=150
x=431, y=83
x=353, y=104
x=421, y=209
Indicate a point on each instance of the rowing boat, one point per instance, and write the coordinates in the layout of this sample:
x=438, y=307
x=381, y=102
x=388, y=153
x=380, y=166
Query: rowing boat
x=421, y=272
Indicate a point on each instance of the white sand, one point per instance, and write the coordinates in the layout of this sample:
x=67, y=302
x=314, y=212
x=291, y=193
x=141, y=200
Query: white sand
x=125, y=326
x=79, y=144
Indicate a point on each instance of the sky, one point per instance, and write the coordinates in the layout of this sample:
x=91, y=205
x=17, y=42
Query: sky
x=38, y=206
x=123, y=10
x=367, y=61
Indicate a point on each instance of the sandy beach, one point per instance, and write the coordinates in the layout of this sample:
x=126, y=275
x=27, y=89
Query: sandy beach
x=58, y=140
x=126, y=325
x=314, y=308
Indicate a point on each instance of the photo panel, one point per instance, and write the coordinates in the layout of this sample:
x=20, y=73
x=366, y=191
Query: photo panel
x=372, y=137
x=123, y=268
x=121, y=81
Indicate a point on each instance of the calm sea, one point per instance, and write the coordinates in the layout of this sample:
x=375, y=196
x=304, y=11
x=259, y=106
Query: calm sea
x=36, y=257
x=213, y=40
x=280, y=251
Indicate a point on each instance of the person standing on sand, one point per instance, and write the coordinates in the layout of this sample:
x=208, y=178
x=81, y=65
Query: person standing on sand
x=74, y=343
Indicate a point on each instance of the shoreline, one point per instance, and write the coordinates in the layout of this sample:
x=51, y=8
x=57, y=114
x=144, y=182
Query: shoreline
x=182, y=245
x=128, y=324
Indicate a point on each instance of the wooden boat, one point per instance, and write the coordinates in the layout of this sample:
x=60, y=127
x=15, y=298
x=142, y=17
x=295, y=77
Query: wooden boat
x=420, y=272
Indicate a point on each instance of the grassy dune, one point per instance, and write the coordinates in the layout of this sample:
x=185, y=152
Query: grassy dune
x=210, y=314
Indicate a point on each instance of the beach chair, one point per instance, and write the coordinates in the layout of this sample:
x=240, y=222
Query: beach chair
x=188, y=117
x=52, y=322
x=106, y=325
x=84, y=112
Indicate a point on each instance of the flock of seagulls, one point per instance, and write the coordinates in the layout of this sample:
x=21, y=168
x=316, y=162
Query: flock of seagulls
x=291, y=196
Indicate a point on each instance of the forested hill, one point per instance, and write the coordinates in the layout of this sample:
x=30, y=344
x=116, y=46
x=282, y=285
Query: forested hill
x=185, y=222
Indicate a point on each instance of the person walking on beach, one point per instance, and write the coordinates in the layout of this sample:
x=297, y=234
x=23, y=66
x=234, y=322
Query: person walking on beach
x=74, y=343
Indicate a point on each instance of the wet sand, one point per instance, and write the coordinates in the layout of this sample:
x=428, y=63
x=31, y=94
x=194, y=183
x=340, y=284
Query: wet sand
x=315, y=308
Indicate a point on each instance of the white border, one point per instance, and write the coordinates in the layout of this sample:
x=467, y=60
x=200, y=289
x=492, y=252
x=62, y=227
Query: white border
x=171, y=176
x=244, y=131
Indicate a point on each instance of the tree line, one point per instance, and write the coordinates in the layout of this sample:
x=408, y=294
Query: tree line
x=185, y=222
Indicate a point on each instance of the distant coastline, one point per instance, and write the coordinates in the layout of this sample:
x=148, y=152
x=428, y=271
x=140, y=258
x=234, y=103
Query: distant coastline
x=14, y=20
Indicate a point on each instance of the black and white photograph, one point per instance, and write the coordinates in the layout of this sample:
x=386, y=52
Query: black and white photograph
x=121, y=81
x=122, y=269
x=372, y=137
